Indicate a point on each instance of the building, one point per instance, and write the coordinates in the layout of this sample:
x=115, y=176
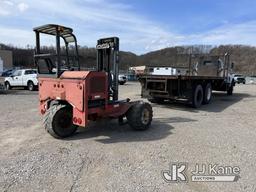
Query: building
x=134, y=72
x=138, y=69
x=6, y=60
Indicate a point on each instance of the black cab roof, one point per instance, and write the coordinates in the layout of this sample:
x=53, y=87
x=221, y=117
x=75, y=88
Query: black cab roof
x=51, y=29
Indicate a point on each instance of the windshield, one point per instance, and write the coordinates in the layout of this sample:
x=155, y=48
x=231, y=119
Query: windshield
x=29, y=72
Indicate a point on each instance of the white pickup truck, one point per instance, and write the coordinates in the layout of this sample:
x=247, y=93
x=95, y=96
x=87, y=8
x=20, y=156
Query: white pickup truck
x=26, y=78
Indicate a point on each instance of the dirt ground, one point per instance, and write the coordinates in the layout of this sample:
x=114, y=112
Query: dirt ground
x=109, y=157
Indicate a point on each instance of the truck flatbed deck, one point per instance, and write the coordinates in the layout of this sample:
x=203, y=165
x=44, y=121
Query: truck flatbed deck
x=182, y=77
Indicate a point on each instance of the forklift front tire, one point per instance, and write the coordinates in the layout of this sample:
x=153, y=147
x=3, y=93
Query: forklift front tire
x=139, y=116
x=58, y=121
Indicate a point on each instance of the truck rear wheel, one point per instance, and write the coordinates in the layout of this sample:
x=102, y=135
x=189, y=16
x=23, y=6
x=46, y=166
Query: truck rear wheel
x=197, y=97
x=207, y=93
x=140, y=116
x=58, y=121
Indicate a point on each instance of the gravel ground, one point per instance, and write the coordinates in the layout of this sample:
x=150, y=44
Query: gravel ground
x=107, y=157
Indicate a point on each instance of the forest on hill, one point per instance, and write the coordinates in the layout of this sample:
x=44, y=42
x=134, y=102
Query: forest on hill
x=244, y=57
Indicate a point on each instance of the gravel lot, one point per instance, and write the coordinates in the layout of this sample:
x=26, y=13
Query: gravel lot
x=107, y=157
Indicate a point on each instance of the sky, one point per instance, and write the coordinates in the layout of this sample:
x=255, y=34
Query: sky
x=141, y=25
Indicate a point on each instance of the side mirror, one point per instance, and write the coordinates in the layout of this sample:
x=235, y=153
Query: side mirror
x=12, y=76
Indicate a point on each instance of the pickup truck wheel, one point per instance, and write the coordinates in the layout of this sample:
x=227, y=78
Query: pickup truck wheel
x=31, y=86
x=58, y=121
x=207, y=93
x=8, y=86
x=140, y=116
x=197, y=97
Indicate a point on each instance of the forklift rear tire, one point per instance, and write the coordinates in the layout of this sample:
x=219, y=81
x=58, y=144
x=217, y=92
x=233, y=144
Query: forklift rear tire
x=198, y=95
x=207, y=93
x=58, y=121
x=139, y=116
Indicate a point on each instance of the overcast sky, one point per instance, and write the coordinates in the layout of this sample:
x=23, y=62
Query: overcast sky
x=142, y=25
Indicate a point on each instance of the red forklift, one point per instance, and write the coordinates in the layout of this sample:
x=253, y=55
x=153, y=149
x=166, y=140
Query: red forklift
x=71, y=98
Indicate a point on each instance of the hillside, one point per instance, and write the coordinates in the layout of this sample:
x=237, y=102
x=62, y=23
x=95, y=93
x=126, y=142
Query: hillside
x=244, y=57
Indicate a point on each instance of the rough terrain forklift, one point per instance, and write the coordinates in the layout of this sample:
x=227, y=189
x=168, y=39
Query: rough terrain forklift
x=70, y=98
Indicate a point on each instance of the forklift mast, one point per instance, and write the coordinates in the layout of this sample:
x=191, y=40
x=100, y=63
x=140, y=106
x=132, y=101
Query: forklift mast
x=108, y=61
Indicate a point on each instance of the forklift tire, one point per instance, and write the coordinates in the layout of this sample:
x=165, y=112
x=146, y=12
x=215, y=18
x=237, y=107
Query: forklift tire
x=58, y=121
x=198, y=96
x=156, y=100
x=207, y=93
x=139, y=116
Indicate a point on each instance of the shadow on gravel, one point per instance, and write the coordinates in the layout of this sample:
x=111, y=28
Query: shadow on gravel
x=19, y=92
x=113, y=133
x=174, y=120
x=2, y=92
x=220, y=102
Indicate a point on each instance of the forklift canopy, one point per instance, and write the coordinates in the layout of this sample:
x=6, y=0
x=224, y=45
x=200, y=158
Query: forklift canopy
x=52, y=29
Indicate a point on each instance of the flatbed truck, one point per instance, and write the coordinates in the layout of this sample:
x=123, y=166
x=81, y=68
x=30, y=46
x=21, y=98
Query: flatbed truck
x=193, y=84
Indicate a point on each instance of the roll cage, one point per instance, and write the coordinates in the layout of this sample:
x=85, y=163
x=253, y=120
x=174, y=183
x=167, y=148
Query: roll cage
x=51, y=63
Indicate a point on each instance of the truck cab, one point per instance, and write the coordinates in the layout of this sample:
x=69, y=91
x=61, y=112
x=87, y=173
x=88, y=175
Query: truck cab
x=26, y=78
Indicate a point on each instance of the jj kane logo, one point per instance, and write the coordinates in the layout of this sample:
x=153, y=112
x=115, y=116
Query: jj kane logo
x=201, y=173
x=176, y=173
